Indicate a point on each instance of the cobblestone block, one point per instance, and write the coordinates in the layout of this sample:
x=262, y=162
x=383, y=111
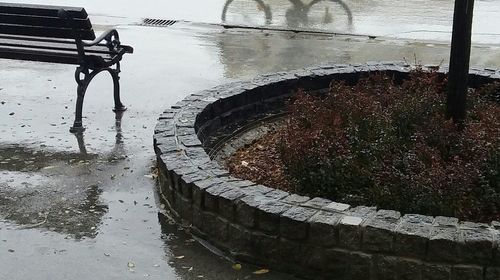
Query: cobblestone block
x=315, y=259
x=492, y=273
x=187, y=183
x=173, y=161
x=240, y=240
x=336, y=207
x=324, y=229
x=409, y=269
x=343, y=264
x=164, y=125
x=217, y=229
x=184, y=208
x=379, y=230
x=268, y=214
x=362, y=211
x=443, y=240
x=386, y=268
x=265, y=247
x=212, y=196
x=199, y=188
x=165, y=145
x=296, y=199
x=227, y=203
x=293, y=223
x=350, y=232
x=496, y=247
x=317, y=203
x=197, y=219
x=475, y=243
x=290, y=252
x=256, y=190
x=190, y=140
x=436, y=272
x=277, y=194
x=412, y=235
x=466, y=272
x=246, y=210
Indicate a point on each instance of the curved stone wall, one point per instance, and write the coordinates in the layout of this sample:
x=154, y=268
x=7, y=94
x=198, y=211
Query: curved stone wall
x=312, y=237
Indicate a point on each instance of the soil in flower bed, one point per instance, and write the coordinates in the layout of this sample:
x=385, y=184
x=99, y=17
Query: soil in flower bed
x=388, y=145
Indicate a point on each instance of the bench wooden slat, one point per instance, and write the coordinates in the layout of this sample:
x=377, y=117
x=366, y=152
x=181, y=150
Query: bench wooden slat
x=51, y=56
x=56, y=47
x=39, y=56
x=46, y=31
x=41, y=39
x=31, y=20
x=41, y=10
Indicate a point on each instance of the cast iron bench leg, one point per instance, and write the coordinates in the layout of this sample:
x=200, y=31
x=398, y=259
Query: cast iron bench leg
x=80, y=93
x=82, y=88
x=115, y=74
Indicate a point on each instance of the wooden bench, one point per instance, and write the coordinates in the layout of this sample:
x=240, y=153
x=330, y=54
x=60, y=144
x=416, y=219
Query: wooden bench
x=64, y=35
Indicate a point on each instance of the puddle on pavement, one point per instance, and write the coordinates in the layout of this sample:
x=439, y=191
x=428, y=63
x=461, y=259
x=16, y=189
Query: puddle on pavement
x=25, y=159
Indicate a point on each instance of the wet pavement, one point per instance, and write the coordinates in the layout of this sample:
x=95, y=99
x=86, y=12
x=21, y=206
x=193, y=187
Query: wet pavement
x=416, y=19
x=75, y=207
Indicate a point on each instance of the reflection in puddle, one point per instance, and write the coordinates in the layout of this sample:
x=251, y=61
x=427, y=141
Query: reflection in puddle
x=52, y=189
x=192, y=260
x=26, y=159
x=330, y=14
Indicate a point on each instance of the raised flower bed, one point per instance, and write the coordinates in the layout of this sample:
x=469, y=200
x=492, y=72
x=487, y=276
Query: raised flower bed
x=312, y=237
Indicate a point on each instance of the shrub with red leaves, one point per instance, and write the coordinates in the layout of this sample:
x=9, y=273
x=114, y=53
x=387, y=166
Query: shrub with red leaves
x=391, y=145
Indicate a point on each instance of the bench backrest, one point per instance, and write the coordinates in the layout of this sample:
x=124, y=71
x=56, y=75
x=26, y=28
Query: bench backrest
x=45, y=21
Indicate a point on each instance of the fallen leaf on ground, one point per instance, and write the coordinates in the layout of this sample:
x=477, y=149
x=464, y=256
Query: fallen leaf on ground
x=179, y=257
x=236, y=266
x=261, y=271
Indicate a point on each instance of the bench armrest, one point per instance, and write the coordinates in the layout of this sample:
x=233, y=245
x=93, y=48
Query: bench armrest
x=112, y=41
x=110, y=36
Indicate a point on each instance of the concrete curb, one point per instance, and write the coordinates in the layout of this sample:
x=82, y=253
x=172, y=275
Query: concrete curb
x=312, y=237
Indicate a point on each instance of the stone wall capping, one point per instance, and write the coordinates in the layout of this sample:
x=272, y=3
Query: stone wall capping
x=336, y=207
x=308, y=236
x=317, y=203
x=296, y=199
x=256, y=190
